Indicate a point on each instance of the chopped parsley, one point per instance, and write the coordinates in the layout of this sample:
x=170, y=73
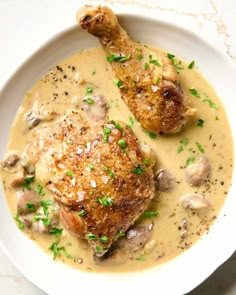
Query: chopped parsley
x=194, y=92
x=69, y=173
x=118, y=83
x=200, y=148
x=118, y=126
x=82, y=213
x=89, y=90
x=122, y=143
x=27, y=182
x=183, y=142
x=105, y=201
x=30, y=207
x=99, y=248
x=56, y=231
x=93, y=72
x=200, y=122
x=149, y=214
x=88, y=100
x=131, y=122
x=146, y=162
x=152, y=135
x=178, y=65
x=46, y=220
x=104, y=239
x=146, y=66
x=118, y=58
x=139, y=57
x=140, y=258
x=91, y=192
x=46, y=204
x=155, y=62
x=138, y=169
x=90, y=167
x=211, y=103
x=91, y=237
x=106, y=131
x=191, y=65
x=56, y=250
x=190, y=160
x=157, y=81
x=110, y=173
x=120, y=233
x=19, y=222
x=39, y=189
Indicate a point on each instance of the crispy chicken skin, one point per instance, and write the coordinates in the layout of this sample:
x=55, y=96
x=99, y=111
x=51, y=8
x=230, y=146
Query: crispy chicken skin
x=149, y=83
x=97, y=175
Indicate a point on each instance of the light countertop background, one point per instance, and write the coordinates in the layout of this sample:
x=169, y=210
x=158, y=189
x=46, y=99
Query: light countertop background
x=27, y=24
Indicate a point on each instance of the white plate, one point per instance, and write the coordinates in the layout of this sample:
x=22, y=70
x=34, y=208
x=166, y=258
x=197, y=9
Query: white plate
x=180, y=275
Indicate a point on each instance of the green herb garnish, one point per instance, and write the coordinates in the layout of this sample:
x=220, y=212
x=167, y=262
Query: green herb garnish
x=104, y=239
x=69, y=173
x=138, y=169
x=46, y=204
x=152, y=135
x=88, y=100
x=39, y=189
x=56, y=231
x=118, y=58
x=27, y=182
x=194, y=92
x=149, y=214
x=200, y=148
x=110, y=173
x=146, y=66
x=56, y=250
x=178, y=65
x=183, y=142
x=91, y=237
x=211, y=103
x=19, y=222
x=190, y=160
x=118, y=83
x=122, y=143
x=89, y=90
x=191, y=65
x=200, y=122
x=139, y=57
x=82, y=213
x=90, y=167
x=105, y=201
x=106, y=131
x=30, y=207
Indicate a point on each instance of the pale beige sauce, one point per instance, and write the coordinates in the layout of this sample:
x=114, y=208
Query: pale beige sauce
x=61, y=91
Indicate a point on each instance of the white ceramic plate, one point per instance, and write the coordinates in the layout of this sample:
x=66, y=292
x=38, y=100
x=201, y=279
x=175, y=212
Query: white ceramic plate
x=180, y=275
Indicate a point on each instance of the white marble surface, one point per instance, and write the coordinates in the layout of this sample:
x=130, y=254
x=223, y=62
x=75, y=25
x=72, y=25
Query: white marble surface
x=27, y=24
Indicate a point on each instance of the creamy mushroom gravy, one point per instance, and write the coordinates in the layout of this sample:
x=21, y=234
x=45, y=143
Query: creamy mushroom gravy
x=175, y=228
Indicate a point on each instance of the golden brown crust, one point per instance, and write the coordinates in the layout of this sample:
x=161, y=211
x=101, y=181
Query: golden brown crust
x=159, y=106
x=100, y=172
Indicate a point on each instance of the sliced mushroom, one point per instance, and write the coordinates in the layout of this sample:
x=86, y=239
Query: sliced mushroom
x=164, y=180
x=27, y=164
x=18, y=178
x=41, y=225
x=38, y=114
x=27, y=201
x=95, y=107
x=137, y=236
x=194, y=202
x=196, y=173
x=11, y=160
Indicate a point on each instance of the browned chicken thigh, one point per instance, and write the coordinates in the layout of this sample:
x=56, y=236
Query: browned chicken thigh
x=97, y=175
x=148, y=83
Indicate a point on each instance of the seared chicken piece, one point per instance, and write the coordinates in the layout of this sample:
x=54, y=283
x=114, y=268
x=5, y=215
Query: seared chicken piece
x=149, y=84
x=97, y=175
